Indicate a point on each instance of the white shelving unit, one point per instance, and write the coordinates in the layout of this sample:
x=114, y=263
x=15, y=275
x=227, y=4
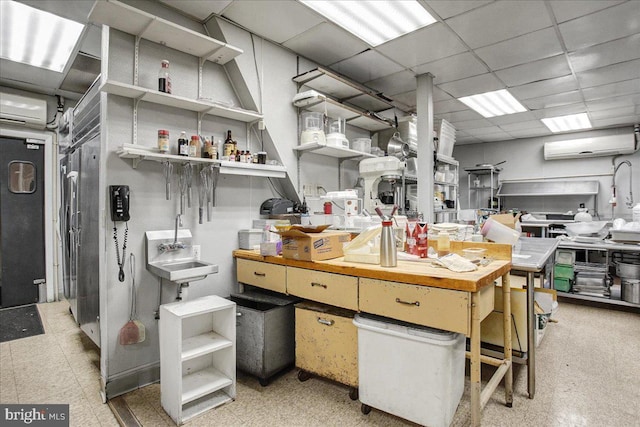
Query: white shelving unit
x=483, y=182
x=197, y=356
x=449, y=187
x=155, y=97
x=149, y=27
x=139, y=153
x=338, y=152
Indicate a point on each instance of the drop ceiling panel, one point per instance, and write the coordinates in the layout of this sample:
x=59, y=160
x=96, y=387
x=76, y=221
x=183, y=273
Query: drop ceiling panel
x=612, y=52
x=396, y=83
x=609, y=24
x=569, y=9
x=529, y=133
x=455, y=67
x=545, y=87
x=470, y=125
x=543, y=69
x=527, y=48
x=407, y=98
x=486, y=131
x=424, y=45
x=500, y=21
x=613, y=89
x=447, y=8
x=550, y=101
x=326, y=44
x=472, y=85
x=199, y=9
x=366, y=66
x=448, y=106
x=618, y=101
x=266, y=18
x=617, y=121
x=561, y=111
x=460, y=116
x=612, y=113
x=613, y=73
x=526, y=125
x=491, y=137
x=512, y=118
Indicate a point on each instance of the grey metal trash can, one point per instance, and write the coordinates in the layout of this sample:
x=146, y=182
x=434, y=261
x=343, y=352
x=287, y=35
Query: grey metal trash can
x=265, y=333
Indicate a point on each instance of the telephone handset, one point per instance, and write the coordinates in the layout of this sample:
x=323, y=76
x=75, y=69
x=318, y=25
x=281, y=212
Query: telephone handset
x=119, y=196
x=119, y=202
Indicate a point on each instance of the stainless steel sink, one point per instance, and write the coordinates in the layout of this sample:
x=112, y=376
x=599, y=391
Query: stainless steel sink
x=183, y=271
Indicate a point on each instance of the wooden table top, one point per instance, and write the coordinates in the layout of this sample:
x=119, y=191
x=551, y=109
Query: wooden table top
x=410, y=272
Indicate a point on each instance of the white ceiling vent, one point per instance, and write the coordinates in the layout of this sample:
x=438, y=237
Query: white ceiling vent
x=590, y=147
x=23, y=111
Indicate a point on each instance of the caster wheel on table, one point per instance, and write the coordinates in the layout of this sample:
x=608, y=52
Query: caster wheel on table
x=303, y=375
x=353, y=393
x=263, y=382
x=365, y=409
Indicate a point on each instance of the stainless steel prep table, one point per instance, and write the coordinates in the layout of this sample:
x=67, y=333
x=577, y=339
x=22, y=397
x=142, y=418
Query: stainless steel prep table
x=531, y=255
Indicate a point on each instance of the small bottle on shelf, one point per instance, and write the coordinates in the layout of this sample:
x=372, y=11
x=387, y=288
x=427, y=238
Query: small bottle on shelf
x=183, y=144
x=163, y=141
x=232, y=156
x=243, y=157
x=248, y=157
x=228, y=144
x=164, y=79
x=237, y=155
x=194, y=146
x=215, y=147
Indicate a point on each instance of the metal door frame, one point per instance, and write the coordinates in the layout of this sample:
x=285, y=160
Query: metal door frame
x=51, y=203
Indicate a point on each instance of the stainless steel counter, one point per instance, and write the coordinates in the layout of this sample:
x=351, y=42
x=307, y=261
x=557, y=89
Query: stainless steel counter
x=531, y=254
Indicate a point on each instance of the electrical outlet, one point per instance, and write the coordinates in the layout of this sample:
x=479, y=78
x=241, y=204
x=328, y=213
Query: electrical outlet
x=261, y=125
x=195, y=251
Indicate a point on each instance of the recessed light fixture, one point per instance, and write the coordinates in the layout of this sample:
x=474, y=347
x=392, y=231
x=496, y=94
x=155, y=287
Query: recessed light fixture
x=374, y=21
x=491, y=104
x=566, y=123
x=35, y=37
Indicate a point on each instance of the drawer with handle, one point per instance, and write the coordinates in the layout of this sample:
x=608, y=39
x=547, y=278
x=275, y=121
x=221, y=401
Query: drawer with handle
x=333, y=289
x=434, y=307
x=262, y=275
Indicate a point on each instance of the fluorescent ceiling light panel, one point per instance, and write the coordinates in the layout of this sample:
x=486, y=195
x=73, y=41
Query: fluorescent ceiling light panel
x=567, y=123
x=374, y=21
x=492, y=104
x=35, y=37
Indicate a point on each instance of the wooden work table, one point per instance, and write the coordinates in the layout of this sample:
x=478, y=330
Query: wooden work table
x=414, y=292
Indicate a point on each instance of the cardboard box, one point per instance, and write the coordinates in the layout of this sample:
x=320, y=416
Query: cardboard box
x=506, y=219
x=307, y=246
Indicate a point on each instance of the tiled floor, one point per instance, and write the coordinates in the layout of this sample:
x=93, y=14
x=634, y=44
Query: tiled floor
x=588, y=375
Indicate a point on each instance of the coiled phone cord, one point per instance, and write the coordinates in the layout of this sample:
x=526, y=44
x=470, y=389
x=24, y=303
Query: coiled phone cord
x=124, y=249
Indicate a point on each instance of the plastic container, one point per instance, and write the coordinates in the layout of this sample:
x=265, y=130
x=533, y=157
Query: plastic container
x=410, y=371
x=562, y=284
x=499, y=233
x=249, y=239
x=563, y=271
x=473, y=254
x=361, y=144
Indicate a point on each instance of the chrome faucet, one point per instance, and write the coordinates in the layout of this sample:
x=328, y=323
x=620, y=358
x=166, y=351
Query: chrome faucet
x=175, y=245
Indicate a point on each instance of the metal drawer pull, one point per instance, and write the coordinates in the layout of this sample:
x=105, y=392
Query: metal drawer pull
x=255, y=273
x=416, y=303
x=238, y=314
x=325, y=321
x=322, y=285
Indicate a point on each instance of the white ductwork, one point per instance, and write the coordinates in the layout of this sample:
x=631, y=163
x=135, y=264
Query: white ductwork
x=23, y=111
x=612, y=145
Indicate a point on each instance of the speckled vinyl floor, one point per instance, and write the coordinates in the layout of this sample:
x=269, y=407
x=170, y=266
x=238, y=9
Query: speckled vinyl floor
x=588, y=374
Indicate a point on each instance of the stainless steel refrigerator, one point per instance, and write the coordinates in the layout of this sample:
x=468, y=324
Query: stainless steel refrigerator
x=80, y=171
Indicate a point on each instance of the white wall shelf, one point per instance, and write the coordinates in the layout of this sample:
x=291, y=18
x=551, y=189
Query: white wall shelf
x=140, y=153
x=338, y=152
x=333, y=108
x=197, y=356
x=149, y=27
x=155, y=97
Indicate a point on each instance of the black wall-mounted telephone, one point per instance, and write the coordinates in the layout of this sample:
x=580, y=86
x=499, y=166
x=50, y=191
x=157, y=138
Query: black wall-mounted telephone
x=119, y=202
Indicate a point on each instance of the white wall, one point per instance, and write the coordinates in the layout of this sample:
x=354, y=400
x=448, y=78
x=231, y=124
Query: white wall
x=525, y=161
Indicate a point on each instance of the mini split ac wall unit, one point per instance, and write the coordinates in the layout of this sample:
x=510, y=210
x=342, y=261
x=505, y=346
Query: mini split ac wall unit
x=590, y=147
x=23, y=111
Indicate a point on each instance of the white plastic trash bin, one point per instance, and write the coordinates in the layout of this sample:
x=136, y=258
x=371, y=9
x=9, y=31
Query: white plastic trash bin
x=410, y=371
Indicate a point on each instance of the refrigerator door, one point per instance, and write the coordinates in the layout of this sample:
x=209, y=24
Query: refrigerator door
x=73, y=212
x=88, y=283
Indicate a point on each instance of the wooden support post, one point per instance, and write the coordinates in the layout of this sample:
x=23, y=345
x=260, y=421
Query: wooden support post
x=493, y=383
x=506, y=315
x=475, y=359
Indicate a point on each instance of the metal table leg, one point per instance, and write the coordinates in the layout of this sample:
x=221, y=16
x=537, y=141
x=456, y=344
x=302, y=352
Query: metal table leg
x=531, y=340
